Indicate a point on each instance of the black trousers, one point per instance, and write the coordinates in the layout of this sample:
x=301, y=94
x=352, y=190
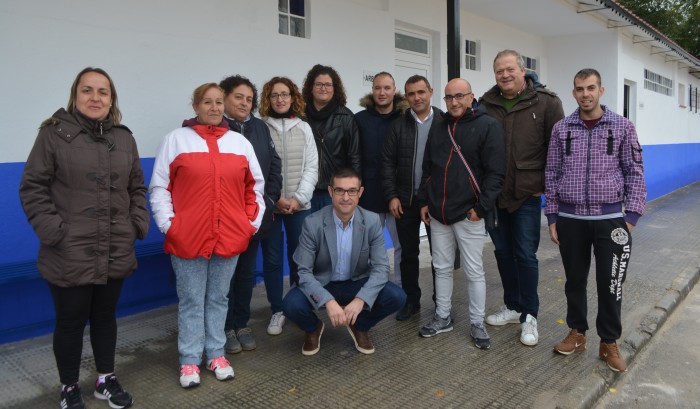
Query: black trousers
x=612, y=246
x=75, y=306
x=408, y=229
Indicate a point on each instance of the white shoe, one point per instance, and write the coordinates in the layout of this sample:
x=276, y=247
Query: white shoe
x=528, y=335
x=504, y=316
x=276, y=323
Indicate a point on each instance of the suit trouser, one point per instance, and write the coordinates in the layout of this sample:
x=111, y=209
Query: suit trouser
x=388, y=220
x=408, y=229
x=612, y=245
x=470, y=240
x=299, y=310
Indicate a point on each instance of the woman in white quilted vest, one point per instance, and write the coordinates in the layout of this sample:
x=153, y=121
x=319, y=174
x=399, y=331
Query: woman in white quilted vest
x=281, y=104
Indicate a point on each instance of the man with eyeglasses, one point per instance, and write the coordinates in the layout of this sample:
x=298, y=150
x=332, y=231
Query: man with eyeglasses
x=333, y=124
x=382, y=106
x=463, y=170
x=528, y=112
x=343, y=266
x=401, y=173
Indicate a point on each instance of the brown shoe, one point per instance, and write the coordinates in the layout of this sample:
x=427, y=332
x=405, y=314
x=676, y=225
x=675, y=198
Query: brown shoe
x=574, y=342
x=610, y=353
x=313, y=340
x=362, y=342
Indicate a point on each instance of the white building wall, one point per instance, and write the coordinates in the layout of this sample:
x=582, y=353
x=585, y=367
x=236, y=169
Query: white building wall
x=157, y=52
x=569, y=54
x=660, y=119
x=494, y=37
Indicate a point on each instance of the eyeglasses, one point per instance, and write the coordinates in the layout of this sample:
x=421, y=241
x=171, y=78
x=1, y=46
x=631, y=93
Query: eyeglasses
x=282, y=95
x=458, y=97
x=339, y=191
x=319, y=85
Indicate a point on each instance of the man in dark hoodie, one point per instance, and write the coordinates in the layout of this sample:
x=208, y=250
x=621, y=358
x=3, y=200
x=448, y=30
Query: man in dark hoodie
x=463, y=170
x=240, y=100
x=528, y=112
x=382, y=106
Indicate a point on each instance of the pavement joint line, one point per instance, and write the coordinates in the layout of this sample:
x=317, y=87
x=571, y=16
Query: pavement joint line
x=594, y=386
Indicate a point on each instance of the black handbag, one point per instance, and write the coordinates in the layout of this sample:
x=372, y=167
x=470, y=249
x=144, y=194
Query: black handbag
x=491, y=216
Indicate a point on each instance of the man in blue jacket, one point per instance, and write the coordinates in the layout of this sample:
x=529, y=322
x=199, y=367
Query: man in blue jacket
x=240, y=100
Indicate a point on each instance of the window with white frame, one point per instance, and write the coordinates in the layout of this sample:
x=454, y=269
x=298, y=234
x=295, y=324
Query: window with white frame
x=472, y=55
x=658, y=83
x=292, y=18
x=681, y=95
x=693, y=99
x=530, y=63
x=410, y=42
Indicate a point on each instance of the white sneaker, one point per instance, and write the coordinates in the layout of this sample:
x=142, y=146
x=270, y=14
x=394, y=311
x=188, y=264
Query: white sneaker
x=276, y=323
x=189, y=376
x=221, y=368
x=504, y=316
x=528, y=335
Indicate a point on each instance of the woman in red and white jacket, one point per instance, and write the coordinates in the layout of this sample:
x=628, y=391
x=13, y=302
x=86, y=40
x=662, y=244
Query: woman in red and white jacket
x=207, y=197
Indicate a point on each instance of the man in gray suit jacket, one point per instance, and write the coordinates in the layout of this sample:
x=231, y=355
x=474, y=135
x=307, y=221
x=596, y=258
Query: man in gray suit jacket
x=342, y=265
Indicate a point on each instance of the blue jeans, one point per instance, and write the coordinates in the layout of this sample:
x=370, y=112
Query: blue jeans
x=241, y=290
x=300, y=311
x=202, y=288
x=320, y=199
x=272, y=254
x=516, y=239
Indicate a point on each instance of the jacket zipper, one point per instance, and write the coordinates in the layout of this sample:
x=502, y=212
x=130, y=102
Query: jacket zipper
x=588, y=172
x=285, y=177
x=413, y=170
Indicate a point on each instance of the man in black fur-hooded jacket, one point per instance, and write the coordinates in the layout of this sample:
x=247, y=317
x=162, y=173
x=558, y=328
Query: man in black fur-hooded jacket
x=382, y=106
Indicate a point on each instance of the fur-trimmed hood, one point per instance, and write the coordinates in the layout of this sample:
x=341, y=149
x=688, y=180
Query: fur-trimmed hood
x=400, y=102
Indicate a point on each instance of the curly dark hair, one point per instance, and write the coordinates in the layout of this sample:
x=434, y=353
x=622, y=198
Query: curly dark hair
x=297, y=104
x=338, y=89
x=228, y=84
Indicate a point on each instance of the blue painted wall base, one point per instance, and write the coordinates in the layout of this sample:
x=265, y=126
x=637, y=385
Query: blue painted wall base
x=26, y=309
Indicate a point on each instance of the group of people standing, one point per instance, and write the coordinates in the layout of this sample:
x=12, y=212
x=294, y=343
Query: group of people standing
x=227, y=182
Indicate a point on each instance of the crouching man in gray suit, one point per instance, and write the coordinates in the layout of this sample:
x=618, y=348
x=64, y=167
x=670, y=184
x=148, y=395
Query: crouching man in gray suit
x=343, y=265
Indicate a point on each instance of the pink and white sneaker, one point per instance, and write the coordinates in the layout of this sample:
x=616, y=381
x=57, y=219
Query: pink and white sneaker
x=189, y=376
x=221, y=367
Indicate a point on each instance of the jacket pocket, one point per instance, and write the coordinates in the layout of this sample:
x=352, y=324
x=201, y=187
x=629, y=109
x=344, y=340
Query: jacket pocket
x=529, y=177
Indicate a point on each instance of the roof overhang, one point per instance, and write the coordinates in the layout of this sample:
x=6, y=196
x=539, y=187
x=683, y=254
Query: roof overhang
x=559, y=22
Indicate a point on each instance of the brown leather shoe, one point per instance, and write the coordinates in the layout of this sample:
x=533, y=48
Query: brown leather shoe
x=313, y=340
x=362, y=342
x=574, y=342
x=610, y=353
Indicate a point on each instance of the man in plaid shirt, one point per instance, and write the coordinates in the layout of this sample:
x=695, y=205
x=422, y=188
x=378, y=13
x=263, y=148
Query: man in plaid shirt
x=594, y=184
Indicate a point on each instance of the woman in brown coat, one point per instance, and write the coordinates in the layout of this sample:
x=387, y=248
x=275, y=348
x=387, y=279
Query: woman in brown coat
x=83, y=193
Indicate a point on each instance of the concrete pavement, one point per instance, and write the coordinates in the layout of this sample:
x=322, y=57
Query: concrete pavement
x=406, y=371
x=665, y=373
